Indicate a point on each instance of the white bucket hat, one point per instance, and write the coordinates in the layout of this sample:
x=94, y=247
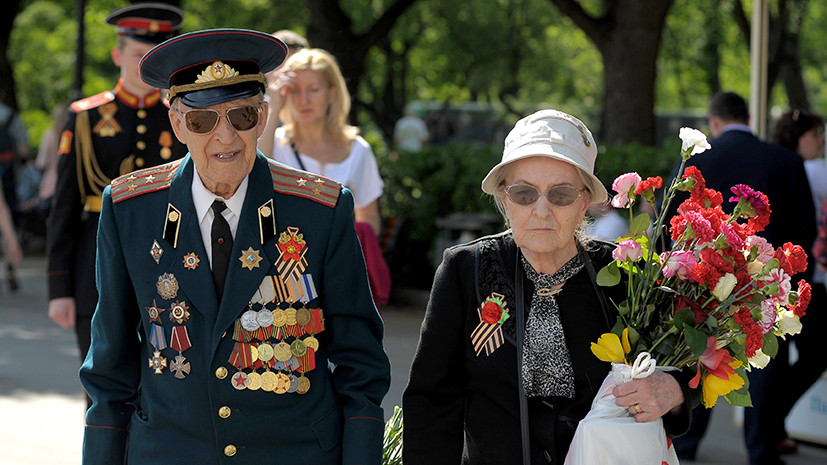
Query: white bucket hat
x=553, y=134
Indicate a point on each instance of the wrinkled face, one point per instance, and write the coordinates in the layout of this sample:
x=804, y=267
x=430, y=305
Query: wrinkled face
x=128, y=58
x=225, y=155
x=543, y=228
x=811, y=144
x=310, y=97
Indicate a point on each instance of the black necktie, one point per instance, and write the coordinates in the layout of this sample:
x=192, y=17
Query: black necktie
x=222, y=245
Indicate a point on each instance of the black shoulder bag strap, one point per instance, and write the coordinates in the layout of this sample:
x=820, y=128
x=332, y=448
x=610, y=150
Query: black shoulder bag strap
x=518, y=291
x=584, y=257
x=298, y=158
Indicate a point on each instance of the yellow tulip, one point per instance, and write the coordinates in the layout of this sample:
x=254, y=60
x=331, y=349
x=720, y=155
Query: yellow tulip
x=625, y=340
x=609, y=348
x=714, y=387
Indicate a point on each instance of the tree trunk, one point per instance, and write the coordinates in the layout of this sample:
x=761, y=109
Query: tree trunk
x=630, y=55
x=792, y=75
x=628, y=36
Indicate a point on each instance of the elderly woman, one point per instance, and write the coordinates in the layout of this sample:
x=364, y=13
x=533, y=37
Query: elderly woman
x=483, y=393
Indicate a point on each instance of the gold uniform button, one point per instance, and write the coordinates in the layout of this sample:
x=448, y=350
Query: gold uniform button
x=141, y=128
x=230, y=450
x=142, y=114
x=140, y=144
x=224, y=412
x=221, y=373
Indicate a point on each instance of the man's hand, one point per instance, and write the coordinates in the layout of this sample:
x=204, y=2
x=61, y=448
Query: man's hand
x=62, y=311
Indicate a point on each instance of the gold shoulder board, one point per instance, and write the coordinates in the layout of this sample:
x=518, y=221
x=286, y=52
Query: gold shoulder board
x=143, y=181
x=311, y=186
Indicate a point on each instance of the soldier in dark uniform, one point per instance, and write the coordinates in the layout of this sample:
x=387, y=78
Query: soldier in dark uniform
x=235, y=322
x=106, y=135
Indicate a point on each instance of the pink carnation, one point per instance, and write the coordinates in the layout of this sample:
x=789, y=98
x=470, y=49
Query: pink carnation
x=627, y=250
x=733, y=239
x=765, y=249
x=624, y=185
x=782, y=279
x=680, y=263
x=700, y=226
x=770, y=314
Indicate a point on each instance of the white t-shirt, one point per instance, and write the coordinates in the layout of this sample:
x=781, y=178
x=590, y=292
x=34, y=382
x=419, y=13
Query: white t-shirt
x=359, y=171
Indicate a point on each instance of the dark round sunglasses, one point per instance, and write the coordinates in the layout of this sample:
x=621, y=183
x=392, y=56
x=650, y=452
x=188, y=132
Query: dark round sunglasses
x=561, y=196
x=204, y=121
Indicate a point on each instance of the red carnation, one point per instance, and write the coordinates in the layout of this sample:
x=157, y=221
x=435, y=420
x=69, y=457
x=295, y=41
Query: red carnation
x=649, y=184
x=792, y=258
x=804, y=296
x=491, y=312
x=704, y=273
x=755, y=336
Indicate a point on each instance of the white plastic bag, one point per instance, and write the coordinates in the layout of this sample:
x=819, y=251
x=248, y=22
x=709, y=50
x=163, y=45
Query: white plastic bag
x=609, y=434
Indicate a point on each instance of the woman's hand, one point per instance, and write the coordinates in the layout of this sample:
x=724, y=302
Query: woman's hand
x=14, y=253
x=650, y=398
x=279, y=84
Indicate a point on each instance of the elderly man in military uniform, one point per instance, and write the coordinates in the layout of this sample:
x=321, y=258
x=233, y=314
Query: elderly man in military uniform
x=106, y=135
x=235, y=322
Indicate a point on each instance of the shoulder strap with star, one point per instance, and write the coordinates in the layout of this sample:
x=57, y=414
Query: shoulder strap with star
x=143, y=181
x=93, y=101
x=291, y=181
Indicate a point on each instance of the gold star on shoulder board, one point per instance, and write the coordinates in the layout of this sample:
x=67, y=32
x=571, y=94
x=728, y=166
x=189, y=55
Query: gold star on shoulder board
x=301, y=181
x=319, y=182
x=249, y=259
x=150, y=178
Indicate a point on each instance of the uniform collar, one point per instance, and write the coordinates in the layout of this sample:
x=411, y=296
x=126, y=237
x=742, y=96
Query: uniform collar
x=134, y=101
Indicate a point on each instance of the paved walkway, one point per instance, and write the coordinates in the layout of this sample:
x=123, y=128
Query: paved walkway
x=42, y=405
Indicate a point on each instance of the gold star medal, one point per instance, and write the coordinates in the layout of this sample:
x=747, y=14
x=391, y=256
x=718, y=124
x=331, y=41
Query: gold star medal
x=191, y=261
x=249, y=259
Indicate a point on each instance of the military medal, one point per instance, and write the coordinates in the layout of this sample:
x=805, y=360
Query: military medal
x=167, y=286
x=282, y=351
x=298, y=348
x=292, y=250
x=191, y=261
x=154, y=313
x=180, y=341
x=179, y=312
x=265, y=352
x=156, y=337
x=254, y=381
x=250, y=258
x=240, y=380
x=157, y=362
x=304, y=385
x=269, y=381
x=308, y=288
x=283, y=383
x=303, y=316
x=264, y=318
x=156, y=251
x=279, y=317
x=249, y=320
x=488, y=334
x=294, y=383
x=311, y=342
x=180, y=366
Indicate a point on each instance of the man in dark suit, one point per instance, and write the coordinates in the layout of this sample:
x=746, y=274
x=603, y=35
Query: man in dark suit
x=106, y=135
x=235, y=322
x=738, y=157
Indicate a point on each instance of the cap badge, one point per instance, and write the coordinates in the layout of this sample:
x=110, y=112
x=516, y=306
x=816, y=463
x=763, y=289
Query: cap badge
x=583, y=134
x=216, y=71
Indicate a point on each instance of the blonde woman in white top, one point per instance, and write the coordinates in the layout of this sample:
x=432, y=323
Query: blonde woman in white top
x=314, y=135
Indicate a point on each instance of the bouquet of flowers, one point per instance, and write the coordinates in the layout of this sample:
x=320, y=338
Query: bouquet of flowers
x=718, y=299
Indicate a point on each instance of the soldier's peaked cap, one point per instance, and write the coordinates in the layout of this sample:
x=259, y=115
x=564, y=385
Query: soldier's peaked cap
x=205, y=68
x=147, y=22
